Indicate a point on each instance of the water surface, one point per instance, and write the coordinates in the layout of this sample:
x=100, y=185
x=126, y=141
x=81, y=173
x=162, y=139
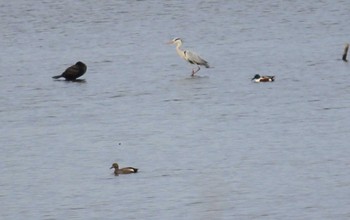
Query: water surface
x=212, y=147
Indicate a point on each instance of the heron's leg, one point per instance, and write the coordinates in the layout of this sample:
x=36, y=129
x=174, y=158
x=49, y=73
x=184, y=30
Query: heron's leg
x=193, y=72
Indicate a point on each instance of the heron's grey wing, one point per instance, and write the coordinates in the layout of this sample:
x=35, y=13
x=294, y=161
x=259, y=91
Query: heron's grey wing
x=195, y=58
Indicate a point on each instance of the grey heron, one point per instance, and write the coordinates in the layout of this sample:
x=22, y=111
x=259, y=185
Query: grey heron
x=73, y=72
x=189, y=56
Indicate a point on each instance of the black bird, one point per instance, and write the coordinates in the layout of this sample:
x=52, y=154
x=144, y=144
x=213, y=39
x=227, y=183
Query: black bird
x=345, y=52
x=73, y=72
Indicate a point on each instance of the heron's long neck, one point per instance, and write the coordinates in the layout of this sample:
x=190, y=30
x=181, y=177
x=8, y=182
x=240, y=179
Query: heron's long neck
x=178, y=50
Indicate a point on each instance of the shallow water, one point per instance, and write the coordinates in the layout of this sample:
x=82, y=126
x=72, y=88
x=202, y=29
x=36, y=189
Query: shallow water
x=216, y=146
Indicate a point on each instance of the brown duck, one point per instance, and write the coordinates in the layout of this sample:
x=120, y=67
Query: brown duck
x=125, y=170
x=73, y=72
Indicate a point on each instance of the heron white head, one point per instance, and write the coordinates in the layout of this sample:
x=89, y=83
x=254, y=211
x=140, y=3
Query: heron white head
x=176, y=40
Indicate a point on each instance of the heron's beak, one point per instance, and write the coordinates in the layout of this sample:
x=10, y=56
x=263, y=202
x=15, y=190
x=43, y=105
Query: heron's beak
x=170, y=42
x=111, y=167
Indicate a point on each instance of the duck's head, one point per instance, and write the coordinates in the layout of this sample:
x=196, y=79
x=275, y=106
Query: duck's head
x=257, y=76
x=115, y=166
